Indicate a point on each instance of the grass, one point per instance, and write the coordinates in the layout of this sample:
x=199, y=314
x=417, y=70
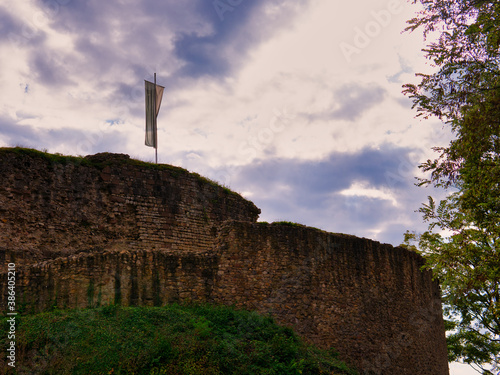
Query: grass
x=290, y=224
x=298, y=225
x=52, y=158
x=295, y=225
x=195, y=339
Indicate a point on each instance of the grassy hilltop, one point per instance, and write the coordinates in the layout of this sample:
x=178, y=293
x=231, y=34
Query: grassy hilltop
x=162, y=340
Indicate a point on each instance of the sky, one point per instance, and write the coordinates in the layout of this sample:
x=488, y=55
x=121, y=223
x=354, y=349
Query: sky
x=295, y=105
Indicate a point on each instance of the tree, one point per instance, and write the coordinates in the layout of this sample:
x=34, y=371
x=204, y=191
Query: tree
x=462, y=244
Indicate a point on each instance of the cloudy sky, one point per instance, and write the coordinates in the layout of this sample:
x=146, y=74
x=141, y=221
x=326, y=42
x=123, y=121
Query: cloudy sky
x=295, y=105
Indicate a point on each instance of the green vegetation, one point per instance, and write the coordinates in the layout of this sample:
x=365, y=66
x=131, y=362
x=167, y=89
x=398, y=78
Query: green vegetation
x=298, y=225
x=462, y=244
x=290, y=224
x=51, y=158
x=196, y=339
x=89, y=161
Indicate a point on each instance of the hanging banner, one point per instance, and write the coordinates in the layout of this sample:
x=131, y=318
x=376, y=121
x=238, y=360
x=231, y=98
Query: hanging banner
x=152, y=112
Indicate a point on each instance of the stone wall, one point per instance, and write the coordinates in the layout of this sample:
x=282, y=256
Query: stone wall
x=59, y=206
x=129, y=278
x=107, y=229
x=369, y=301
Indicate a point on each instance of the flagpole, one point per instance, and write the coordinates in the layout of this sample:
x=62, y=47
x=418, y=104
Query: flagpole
x=155, y=126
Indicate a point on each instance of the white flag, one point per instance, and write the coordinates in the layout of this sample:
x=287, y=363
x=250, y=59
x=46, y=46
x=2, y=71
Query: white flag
x=152, y=112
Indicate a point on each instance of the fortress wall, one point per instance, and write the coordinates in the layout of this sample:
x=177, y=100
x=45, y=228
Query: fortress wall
x=127, y=278
x=107, y=229
x=368, y=300
x=58, y=208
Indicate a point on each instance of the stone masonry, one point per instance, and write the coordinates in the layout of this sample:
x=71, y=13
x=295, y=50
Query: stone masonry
x=106, y=229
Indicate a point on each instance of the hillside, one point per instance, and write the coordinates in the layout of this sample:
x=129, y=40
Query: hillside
x=171, y=340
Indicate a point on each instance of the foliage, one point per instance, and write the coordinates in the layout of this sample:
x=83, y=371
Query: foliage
x=462, y=243
x=197, y=339
x=51, y=158
x=289, y=224
x=294, y=225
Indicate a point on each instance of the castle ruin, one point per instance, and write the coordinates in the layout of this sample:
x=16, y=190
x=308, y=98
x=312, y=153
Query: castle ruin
x=106, y=229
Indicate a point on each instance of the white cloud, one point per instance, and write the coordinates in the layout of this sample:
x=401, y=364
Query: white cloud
x=363, y=189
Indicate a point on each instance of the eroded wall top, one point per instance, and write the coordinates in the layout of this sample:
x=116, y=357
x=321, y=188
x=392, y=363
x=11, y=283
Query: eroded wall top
x=52, y=206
